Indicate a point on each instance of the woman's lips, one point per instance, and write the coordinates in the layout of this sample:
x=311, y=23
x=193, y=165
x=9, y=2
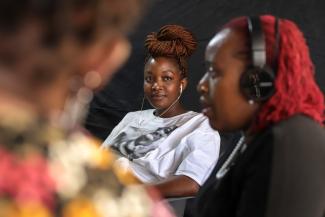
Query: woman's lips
x=206, y=108
x=157, y=97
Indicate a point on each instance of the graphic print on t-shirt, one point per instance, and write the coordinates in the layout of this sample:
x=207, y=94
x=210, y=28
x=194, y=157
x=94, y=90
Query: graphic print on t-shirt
x=138, y=147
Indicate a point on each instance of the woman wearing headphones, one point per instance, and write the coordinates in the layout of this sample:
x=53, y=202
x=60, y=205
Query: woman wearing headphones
x=168, y=146
x=260, y=79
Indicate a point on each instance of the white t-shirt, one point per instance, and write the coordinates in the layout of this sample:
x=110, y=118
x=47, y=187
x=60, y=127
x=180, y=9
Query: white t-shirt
x=156, y=149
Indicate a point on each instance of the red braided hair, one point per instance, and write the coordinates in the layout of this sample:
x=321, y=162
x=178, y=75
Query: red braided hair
x=296, y=91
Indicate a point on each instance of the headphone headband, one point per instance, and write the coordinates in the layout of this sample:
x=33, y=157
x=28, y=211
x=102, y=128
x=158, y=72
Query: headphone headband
x=258, y=46
x=258, y=49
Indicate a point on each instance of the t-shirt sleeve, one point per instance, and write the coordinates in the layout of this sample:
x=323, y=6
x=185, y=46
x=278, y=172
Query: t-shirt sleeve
x=201, y=155
x=117, y=129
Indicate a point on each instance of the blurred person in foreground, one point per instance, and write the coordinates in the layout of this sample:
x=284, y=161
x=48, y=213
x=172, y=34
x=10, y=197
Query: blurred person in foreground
x=53, y=55
x=260, y=80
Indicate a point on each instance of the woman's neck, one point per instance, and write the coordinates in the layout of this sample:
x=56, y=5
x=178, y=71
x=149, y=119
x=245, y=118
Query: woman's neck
x=171, y=112
x=250, y=132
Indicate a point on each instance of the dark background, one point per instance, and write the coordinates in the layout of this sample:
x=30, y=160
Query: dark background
x=202, y=17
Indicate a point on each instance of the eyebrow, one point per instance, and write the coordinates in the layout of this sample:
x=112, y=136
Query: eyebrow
x=164, y=72
x=168, y=70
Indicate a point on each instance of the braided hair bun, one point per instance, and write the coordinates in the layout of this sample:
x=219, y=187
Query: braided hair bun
x=172, y=41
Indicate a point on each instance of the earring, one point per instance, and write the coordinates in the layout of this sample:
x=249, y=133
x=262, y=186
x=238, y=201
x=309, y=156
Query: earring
x=181, y=91
x=251, y=102
x=202, y=89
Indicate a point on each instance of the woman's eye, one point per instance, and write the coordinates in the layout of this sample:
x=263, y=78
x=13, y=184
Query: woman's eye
x=167, y=78
x=148, y=79
x=212, y=72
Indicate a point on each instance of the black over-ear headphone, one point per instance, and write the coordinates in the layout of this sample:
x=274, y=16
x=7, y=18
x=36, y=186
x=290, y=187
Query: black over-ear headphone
x=257, y=82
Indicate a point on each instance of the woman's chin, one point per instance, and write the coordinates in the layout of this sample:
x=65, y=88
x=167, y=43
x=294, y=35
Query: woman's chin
x=158, y=106
x=216, y=125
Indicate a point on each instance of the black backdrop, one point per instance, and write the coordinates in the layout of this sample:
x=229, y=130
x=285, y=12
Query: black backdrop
x=202, y=17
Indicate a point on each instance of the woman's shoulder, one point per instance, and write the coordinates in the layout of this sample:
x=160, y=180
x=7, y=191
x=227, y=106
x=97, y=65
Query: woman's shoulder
x=299, y=126
x=201, y=123
x=201, y=119
x=300, y=135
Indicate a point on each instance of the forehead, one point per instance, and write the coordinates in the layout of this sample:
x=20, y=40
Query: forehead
x=228, y=42
x=161, y=64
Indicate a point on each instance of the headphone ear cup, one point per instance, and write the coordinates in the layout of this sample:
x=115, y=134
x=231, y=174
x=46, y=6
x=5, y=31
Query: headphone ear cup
x=266, y=83
x=246, y=84
x=257, y=83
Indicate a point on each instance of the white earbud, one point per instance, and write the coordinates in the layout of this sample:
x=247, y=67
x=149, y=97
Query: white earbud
x=166, y=110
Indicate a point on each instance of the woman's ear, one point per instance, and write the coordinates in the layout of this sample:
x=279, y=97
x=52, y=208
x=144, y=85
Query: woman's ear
x=184, y=82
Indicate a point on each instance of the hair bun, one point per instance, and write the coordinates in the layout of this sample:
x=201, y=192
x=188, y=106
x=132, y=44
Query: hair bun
x=171, y=40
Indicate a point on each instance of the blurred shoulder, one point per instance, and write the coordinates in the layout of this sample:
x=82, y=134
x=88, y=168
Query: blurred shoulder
x=300, y=136
x=300, y=127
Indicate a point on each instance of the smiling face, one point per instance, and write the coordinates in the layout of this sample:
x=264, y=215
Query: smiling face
x=162, y=82
x=224, y=104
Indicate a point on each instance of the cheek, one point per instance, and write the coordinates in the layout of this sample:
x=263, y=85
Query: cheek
x=231, y=110
x=226, y=99
x=146, y=88
x=216, y=91
x=173, y=89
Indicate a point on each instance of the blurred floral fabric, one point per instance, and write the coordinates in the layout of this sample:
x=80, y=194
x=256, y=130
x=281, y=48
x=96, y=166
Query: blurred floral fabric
x=47, y=173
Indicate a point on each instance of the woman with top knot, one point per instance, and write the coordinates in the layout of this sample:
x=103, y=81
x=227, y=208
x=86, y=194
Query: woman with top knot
x=168, y=146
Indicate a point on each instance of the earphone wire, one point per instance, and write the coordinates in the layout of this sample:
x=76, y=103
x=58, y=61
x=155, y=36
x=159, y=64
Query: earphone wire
x=141, y=109
x=164, y=112
x=143, y=98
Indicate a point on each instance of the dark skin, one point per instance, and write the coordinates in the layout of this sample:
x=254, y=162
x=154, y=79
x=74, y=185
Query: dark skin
x=162, y=81
x=224, y=104
x=178, y=186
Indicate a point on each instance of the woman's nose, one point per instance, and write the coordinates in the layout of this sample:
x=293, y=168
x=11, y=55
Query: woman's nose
x=202, y=87
x=155, y=86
